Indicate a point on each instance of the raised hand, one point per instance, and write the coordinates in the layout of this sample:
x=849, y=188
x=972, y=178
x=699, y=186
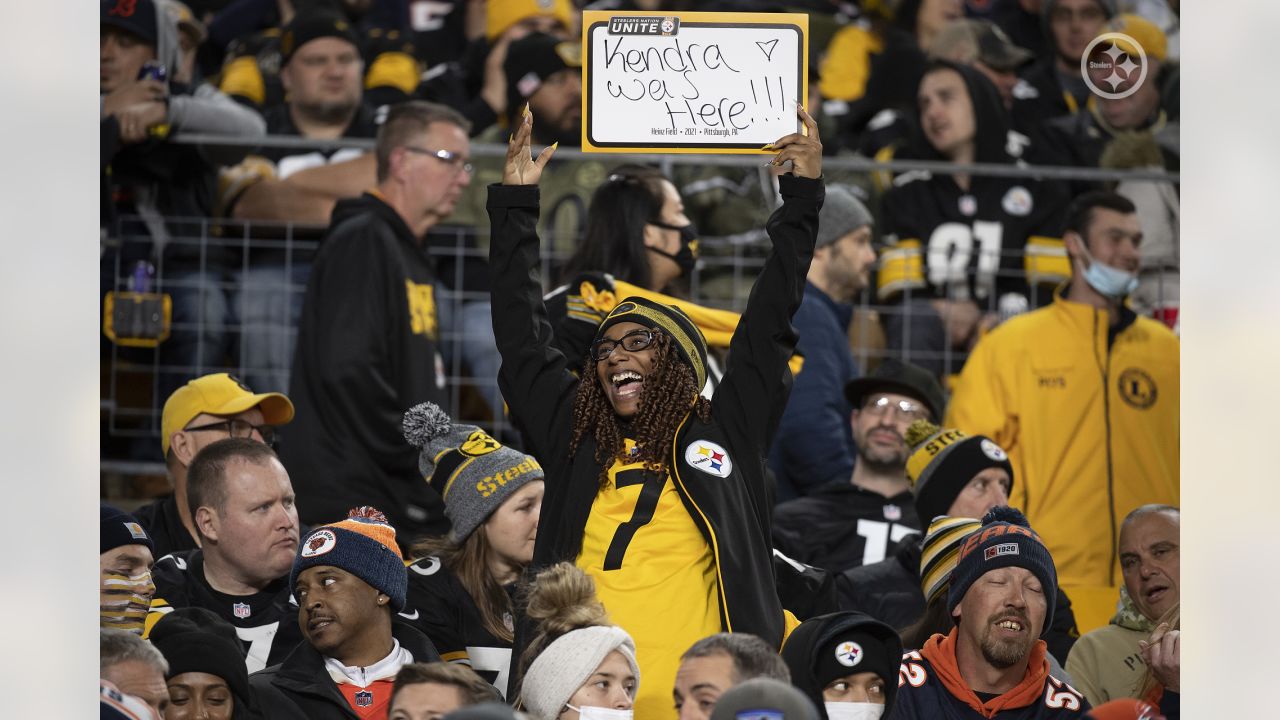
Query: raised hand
x=521, y=167
x=804, y=151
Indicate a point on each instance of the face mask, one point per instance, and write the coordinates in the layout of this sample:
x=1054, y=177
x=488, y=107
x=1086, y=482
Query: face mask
x=124, y=600
x=1109, y=281
x=590, y=712
x=687, y=256
x=854, y=710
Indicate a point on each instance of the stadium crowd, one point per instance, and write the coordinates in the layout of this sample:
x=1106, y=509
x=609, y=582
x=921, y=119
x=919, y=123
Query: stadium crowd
x=921, y=461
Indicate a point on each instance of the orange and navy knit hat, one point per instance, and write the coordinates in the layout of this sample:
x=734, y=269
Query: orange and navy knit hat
x=1004, y=540
x=364, y=545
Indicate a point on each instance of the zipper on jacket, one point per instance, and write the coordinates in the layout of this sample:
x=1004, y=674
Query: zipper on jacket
x=711, y=533
x=1106, y=416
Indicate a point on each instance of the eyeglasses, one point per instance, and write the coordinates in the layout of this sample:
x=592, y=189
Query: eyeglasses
x=239, y=429
x=448, y=157
x=880, y=406
x=633, y=341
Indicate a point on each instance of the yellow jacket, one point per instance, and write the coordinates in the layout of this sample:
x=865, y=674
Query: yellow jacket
x=1092, y=432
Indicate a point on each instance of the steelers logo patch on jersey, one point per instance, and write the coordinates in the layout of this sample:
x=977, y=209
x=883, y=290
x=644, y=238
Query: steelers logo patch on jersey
x=848, y=653
x=709, y=457
x=1017, y=201
x=479, y=443
x=1137, y=388
x=320, y=542
x=994, y=451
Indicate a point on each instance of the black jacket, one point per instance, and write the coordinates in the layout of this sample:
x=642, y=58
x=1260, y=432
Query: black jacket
x=807, y=647
x=300, y=688
x=842, y=526
x=733, y=513
x=367, y=350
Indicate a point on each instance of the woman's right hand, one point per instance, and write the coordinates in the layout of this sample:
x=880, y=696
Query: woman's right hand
x=521, y=167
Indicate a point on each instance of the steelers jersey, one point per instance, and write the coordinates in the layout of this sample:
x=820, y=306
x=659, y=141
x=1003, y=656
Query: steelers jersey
x=653, y=571
x=441, y=607
x=1001, y=236
x=266, y=622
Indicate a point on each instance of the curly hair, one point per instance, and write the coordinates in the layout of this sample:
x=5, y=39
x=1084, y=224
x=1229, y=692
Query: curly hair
x=669, y=394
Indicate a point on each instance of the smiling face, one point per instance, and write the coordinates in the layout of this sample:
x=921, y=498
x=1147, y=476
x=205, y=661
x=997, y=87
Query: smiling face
x=337, y=610
x=1002, y=614
x=700, y=682
x=622, y=374
x=946, y=112
x=1149, y=559
x=612, y=685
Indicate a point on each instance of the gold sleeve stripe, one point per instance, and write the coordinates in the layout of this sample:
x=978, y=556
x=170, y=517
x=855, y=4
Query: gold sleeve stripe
x=393, y=69
x=242, y=77
x=901, y=268
x=1046, y=261
x=456, y=656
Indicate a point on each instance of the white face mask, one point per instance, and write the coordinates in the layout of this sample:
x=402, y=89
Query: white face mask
x=854, y=710
x=590, y=712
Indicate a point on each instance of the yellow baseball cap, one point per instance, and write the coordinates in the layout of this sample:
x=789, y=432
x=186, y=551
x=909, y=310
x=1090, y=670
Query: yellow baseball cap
x=218, y=394
x=1143, y=31
x=502, y=14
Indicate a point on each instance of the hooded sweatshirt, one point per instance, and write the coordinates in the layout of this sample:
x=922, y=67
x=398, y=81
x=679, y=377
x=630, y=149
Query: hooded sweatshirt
x=367, y=349
x=1000, y=236
x=1107, y=663
x=806, y=648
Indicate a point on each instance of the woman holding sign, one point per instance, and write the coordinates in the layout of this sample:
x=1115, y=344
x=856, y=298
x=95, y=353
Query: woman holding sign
x=654, y=491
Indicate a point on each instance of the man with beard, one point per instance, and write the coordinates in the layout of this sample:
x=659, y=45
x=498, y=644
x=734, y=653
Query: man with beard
x=992, y=664
x=242, y=504
x=544, y=71
x=852, y=522
x=350, y=580
x=368, y=339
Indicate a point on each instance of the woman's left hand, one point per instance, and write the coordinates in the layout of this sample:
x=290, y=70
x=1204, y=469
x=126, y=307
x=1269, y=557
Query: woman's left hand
x=804, y=151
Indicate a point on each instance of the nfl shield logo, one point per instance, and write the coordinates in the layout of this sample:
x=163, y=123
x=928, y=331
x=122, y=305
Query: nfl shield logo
x=892, y=512
x=364, y=698
x=240, y=610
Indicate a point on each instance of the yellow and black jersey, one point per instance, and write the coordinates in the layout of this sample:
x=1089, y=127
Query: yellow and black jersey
x=266, y=622
x=653, y=571
x=441, y=607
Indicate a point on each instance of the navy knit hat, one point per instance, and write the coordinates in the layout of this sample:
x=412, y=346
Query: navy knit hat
x=669, y=319
x=1004, y=540
x=364, y=545
x=120, y=528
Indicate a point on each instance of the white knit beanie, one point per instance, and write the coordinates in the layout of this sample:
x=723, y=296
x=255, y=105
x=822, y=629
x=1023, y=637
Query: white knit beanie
x=557, y=673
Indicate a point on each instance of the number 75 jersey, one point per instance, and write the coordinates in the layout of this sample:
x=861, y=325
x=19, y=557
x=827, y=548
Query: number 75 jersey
x=1001, y=236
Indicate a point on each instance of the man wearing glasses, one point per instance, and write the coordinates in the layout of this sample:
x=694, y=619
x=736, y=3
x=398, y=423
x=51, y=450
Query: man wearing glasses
x=368, y=338
x=848, y=523
x=200, y=413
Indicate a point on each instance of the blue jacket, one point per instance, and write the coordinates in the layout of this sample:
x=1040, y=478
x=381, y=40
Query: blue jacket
x=814, y=445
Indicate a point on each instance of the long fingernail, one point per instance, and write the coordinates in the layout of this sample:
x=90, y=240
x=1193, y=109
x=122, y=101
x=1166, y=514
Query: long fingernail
x=555, y=145
x=769, y=146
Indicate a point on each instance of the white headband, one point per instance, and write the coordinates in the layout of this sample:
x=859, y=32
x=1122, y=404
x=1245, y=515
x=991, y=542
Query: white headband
x=557, y=673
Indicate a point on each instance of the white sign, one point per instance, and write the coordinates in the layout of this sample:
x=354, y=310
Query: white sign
x=691, y=82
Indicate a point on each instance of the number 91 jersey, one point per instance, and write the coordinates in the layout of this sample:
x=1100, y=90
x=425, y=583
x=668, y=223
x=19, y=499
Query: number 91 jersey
x=1002, y=235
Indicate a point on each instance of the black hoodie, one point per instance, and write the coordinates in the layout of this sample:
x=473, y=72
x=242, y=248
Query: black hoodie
x=973, y=241
x=807, y=647
x=367, y=349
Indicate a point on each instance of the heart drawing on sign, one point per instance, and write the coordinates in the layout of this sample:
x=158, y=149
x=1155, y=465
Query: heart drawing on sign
x=767, y=48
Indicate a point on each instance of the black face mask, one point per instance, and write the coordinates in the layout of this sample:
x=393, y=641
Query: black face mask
x=687, y=256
